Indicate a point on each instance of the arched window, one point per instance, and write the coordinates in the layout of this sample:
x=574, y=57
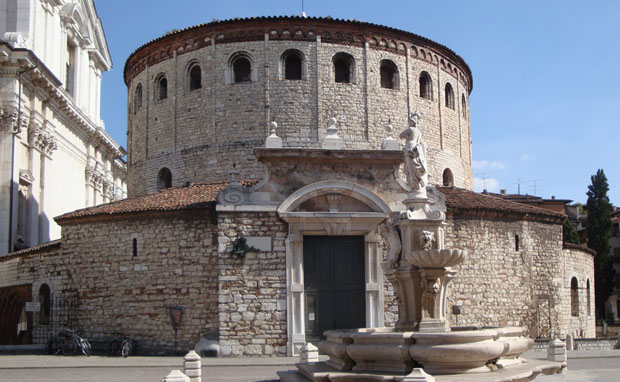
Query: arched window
x=162, y=88
x=463, y=106
x=242, y=68
x=449, y=96
x=344, y=66
x=389, y=74
x=292, y=63
x=164, y=179
x=137, y=99
x=194, y=77
x=426, y=86
x=45, y=296
x=448, y=178
x=517, y=243
x=574, y=297
x=589, y=307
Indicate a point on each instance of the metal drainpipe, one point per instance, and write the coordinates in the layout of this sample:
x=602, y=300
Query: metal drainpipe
x=19, y=117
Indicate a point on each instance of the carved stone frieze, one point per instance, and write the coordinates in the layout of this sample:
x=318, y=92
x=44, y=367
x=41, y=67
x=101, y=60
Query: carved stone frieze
x=95, y=176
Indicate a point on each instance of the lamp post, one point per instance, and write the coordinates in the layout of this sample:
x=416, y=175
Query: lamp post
x=176, y=313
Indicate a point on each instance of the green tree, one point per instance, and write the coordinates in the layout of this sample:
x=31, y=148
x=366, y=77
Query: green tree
x=599, y=230
x=570, y=234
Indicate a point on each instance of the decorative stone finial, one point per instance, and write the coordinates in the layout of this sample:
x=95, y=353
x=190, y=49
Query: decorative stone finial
x=390, y=143
x=273, y=141
x=332, y=140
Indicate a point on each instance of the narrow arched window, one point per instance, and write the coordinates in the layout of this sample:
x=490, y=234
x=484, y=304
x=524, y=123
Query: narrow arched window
x=343, y=68
x=45, y=296
x=389, y=75
x=162, y=88
x=589, y=307
x=463, y=106
x=448, y=178
x=426, y=86
x=517, y=243
x=574, y=297
x=449, y=94
x=137, y=99
x=242, y=69
x=293, y=65
x=195, y=77
x=135, y=247
x=164, y=179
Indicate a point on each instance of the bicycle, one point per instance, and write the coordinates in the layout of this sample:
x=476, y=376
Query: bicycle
x=120, y=345
x=72, y=342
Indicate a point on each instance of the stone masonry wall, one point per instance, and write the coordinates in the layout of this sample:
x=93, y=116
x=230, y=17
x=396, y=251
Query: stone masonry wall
x=175, y=265
x=200, y=134
x=498, y=285
x=252, y=289
x=579, y=264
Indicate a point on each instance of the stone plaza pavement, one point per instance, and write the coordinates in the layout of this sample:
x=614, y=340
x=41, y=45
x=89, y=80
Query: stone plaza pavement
x=583, y=366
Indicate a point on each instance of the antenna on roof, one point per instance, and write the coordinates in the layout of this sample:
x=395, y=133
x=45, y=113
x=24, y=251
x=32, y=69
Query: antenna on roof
x=484, y=179
x=303, y=13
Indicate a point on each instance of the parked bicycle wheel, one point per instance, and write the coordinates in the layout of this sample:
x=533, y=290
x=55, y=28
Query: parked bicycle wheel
x=69, y=347
x=125, y=349
x=85, y=348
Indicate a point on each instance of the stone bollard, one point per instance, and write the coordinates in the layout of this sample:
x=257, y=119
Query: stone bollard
x=193, y=366
x=570, y=344
x=175, y=376
x=556, y=351
x=309, y=353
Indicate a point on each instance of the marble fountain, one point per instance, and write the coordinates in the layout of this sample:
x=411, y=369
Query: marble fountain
x=422, y=346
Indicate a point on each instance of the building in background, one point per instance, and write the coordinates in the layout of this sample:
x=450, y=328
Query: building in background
x=55, y=155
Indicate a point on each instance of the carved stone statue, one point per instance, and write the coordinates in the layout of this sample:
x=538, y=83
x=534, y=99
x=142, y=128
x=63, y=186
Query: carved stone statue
x=415, y=156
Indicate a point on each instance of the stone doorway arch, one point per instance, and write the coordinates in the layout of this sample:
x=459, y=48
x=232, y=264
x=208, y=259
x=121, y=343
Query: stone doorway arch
x=332, y=208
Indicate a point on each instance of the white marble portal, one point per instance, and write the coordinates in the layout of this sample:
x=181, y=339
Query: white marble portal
x=332, y=215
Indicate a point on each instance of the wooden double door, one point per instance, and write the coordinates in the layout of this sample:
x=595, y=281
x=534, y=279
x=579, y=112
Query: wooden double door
x=334, y=284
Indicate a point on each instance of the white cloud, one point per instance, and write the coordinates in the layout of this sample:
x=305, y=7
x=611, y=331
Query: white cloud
x=526, y=157
x=490, y=184
x=487, y=165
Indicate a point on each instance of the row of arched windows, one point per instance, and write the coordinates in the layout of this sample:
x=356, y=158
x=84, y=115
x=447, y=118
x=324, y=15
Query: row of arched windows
x=292, y=68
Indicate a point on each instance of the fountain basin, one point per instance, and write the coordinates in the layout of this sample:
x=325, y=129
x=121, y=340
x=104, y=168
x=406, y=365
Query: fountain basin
x=387, y=350
x=436, y=258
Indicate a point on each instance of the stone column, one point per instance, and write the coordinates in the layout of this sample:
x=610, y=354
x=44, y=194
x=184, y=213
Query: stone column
x=8, y=127
x=295, y=293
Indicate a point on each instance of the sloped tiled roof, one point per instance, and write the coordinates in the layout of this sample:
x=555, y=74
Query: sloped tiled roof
x=45, y=247
x=199, y=196
x=202, y=196
x=458, y=199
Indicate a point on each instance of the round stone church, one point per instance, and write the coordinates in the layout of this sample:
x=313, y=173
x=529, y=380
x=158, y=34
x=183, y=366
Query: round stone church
x=264, y=162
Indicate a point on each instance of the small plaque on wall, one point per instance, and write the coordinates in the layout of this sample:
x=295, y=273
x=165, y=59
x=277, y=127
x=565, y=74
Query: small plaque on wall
x=33, y=307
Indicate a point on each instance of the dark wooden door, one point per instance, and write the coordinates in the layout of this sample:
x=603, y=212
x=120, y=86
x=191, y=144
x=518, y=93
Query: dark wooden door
x=334, y=284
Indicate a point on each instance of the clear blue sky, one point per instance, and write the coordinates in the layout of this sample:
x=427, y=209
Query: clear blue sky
x=546, y=100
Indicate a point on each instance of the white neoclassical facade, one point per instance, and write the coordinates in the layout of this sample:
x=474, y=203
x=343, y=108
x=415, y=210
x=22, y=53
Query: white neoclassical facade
x=55, y=155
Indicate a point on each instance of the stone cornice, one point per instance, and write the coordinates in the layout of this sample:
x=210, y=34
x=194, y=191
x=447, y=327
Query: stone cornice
x=43, y=79
x=303, y=29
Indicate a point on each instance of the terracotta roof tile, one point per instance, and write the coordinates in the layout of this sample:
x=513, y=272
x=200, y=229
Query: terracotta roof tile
x=197, y=196
x=461, y=199
x=50, y=245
